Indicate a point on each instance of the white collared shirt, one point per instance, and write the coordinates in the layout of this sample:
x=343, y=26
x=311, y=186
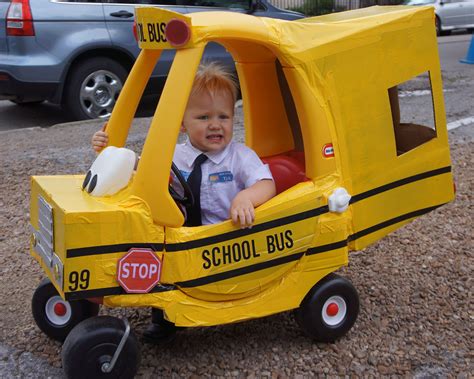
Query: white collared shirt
x=224, y=175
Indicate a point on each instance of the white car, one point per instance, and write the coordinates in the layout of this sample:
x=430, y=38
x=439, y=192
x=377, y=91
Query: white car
x=450, y=14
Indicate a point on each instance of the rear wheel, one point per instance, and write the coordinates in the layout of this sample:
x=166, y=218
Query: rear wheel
x=93, y=88
x=56, y=317
x=91, y=345
x=329, y=310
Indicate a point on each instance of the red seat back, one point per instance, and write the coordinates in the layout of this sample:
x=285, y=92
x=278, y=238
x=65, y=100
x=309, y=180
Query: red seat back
x=287, y=170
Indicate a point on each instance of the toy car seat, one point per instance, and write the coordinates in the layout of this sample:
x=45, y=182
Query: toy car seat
x=287, y=170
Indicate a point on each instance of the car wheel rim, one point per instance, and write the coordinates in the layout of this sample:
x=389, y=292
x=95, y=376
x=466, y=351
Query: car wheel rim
x=334, y=310
x=58, y=311
x=99, y=92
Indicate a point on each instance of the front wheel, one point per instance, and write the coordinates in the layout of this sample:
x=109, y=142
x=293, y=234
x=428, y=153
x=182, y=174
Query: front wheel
x=439, y=30
x=56, y=317
x=329, y=310
x=93, y=88
x=89, y=350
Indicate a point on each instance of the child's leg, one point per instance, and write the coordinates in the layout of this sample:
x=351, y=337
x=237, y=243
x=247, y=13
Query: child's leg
x=160, y=330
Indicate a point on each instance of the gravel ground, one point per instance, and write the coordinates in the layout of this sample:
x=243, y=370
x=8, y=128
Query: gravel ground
x=414, y=286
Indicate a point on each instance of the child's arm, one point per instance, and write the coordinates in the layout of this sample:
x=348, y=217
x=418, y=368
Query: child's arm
x=243, y=206
x=100, y=139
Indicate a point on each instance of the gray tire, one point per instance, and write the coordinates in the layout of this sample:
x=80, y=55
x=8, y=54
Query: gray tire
x=93, y=88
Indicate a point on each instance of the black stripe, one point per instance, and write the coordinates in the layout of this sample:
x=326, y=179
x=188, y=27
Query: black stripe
x=108, y=249
x=239, y=271
x=392, y=221
x=245, y=232
x=87, y=294
x=399, y=183
x=328, y=247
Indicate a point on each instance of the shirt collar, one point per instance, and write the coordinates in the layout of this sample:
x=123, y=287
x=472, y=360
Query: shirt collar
x=215, y=157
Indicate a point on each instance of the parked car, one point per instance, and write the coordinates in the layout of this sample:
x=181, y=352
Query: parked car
x=450, y=14
x=78, y=54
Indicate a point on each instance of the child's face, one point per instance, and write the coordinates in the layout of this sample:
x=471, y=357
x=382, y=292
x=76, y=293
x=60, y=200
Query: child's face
x=208, y=120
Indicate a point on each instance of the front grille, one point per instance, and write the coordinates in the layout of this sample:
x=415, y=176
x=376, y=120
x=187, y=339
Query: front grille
x=45, y=235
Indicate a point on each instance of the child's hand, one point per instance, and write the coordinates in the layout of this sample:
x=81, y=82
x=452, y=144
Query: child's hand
x=100, y=139
x=242, y=210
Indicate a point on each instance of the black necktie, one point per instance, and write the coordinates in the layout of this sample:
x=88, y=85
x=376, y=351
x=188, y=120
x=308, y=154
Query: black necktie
x=194, y=181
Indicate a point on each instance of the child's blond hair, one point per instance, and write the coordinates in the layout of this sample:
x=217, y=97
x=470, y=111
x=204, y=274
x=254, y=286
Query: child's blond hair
x=213, y=77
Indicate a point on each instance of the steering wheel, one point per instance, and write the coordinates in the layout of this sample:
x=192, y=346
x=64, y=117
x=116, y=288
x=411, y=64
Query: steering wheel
x=187, y=199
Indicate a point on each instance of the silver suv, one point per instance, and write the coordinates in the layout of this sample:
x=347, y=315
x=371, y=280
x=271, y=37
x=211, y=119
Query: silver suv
x=450, y=14
x=78, y=53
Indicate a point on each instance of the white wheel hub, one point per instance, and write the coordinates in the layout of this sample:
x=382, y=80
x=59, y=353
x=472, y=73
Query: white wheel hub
x=334, y=310
x=58, y=311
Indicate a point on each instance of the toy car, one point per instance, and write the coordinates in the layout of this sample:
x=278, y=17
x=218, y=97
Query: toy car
x=321, y=108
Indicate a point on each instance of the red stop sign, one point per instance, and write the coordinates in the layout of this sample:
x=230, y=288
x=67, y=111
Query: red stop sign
x=139, y=270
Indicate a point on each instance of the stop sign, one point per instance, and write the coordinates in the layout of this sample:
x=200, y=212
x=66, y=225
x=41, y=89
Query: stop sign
x=139, y=270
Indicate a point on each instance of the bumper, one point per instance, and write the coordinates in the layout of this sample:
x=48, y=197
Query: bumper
x=12, y=88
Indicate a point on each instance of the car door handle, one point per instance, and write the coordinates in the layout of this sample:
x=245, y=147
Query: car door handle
x=122, y=14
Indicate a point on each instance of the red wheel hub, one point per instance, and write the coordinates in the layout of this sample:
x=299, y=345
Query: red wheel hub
x=332, y=309
x=60, y=309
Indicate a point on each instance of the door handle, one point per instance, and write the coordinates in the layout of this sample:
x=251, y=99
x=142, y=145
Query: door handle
x=122, y=14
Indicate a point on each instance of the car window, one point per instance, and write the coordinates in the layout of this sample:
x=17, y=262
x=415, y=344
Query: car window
x=242, y=4
x=419, y=2
x=141, y=2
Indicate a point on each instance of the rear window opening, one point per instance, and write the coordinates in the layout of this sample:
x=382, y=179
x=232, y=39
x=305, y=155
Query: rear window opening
x=412, y=109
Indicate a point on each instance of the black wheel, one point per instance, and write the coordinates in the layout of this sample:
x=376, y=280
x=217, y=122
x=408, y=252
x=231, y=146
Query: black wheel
x=55, y=316
x=438, y=26
x=93, y=88
x=329, y=310
x=439, y=30
x=92, y=344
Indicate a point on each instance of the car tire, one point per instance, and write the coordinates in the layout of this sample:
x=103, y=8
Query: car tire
x=439, y=31
x=329, y=310
x=93, y=87
x=438, y=26
x=93, y=343
x=55, y=316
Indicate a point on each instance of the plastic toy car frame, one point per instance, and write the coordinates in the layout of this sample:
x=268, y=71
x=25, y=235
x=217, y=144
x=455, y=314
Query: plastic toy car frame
x=321, y=109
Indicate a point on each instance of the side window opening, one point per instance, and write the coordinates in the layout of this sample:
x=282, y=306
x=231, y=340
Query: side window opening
x=290, y=109
x=288, y=169
x=411, y=103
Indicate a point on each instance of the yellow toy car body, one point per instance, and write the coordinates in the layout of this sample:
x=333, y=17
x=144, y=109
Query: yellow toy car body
x=321, y=88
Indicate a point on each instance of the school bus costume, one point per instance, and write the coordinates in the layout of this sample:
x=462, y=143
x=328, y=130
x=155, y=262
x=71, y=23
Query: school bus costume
x=317, y=95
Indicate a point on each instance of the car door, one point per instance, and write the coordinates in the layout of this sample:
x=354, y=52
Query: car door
x=452, y=13
x=4, y=4
x=468, y=12
x=222, y=262
x=119, y=16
